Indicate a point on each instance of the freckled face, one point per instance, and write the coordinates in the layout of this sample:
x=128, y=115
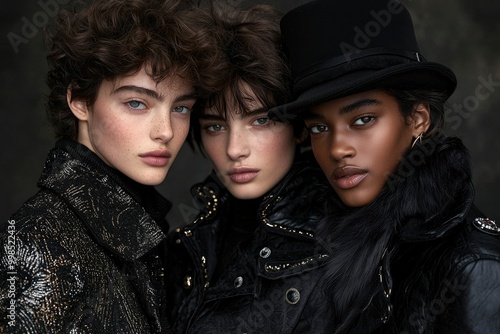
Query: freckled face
x=358, y=141
x=251, y=153
x=136, y=125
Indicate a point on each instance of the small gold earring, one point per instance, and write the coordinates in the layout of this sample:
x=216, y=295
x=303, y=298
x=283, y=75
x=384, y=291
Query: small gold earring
x=419, y=138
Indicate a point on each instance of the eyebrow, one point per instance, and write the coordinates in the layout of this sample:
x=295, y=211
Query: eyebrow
x=357, y=105
x=153, y=94
x=140, y=90
x=345, y=109
x=250, y=113
x=254, y=112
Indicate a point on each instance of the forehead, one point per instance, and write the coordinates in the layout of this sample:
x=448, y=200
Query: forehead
x=346, y=104
x=237, y=101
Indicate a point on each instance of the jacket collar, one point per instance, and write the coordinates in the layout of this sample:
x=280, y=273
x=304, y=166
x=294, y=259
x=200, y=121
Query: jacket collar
x=106, y=201
x=304, y=186
x=282, y=209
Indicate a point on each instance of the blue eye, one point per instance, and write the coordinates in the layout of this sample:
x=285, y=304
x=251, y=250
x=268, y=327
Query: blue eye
x=136, y=105
x=182, y=110
x=261, y=121
x=319, y=128
x=214, y=128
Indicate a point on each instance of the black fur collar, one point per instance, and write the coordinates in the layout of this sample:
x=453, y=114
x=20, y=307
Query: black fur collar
x=428, y=195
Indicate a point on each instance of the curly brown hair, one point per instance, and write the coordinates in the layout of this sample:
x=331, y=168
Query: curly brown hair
x=250, y=42
x=113, y=38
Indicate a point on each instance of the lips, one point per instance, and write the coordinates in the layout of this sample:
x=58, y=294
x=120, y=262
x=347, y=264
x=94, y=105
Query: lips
x=348, y=177
x=242, y=175
x=156, y=158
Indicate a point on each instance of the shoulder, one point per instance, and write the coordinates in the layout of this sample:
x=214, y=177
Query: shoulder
x=475, y=280
x=475, y=255
x=41, y=212
x=481, y=238
x=41, y=234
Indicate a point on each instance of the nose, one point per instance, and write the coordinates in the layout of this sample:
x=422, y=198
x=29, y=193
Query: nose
x=237, y=145
x=341, y=147
x=161, y=129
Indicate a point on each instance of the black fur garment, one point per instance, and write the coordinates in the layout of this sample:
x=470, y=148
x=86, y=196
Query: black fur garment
x=429, y=194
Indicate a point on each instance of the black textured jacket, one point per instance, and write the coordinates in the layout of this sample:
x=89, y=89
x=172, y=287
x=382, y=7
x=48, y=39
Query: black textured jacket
x=273, y=281
x=420, y=258
x=82, y=255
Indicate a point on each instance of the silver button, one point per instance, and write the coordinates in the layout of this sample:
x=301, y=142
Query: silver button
x=238, y=281
x=265, y=252
x=292, y=296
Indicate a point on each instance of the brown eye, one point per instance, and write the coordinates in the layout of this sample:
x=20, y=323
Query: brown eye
x=364, y=120
x=319, y=128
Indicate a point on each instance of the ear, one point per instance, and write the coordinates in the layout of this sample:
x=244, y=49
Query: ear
x=79, y=108
x=421, y=119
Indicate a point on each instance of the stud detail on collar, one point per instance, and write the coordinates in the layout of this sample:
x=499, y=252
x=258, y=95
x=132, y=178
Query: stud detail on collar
x=487, y=226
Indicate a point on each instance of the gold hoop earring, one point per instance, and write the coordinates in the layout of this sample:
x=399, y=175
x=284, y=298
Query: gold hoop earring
x=419, y=138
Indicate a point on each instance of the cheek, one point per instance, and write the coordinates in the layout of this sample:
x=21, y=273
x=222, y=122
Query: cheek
x=214, y=146
x=111, y=131
x=320, y=151
x=280, y=141
x=180, y=131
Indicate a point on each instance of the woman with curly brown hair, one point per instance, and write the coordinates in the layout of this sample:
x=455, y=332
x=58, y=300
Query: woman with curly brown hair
x=248, y=263
x=85, y=254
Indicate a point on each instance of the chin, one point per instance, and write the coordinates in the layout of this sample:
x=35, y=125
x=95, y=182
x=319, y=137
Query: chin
x=356, y=200
x=150, y=181
x=246, y=193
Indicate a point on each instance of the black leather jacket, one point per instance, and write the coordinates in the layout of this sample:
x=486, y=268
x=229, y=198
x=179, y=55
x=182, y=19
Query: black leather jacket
x=430, y=260
x=83, y=255
x=273, y=283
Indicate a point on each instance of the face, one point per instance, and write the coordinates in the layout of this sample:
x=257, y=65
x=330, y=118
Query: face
x=251, y=153
x=137, y=125
x=359, y=140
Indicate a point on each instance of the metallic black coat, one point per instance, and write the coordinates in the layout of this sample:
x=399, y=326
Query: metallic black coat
x=83, y=252
x=273, y=283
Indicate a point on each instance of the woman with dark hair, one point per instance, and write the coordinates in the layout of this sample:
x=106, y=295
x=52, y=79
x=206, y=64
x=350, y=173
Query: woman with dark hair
x=85, y=254
x=409, y=251
x=249, y=262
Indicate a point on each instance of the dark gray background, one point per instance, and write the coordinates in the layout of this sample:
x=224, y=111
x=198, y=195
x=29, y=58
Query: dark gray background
x=462, y=34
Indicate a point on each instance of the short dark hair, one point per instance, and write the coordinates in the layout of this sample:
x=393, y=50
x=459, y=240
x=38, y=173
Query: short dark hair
x=407, y=99
x=112, y=38
x=252, y=52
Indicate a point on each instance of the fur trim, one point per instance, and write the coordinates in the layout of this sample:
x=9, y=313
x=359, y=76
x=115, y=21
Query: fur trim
x=428, y=194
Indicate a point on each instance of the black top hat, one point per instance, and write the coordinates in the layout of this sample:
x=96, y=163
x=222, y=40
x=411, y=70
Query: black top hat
x=337, y=48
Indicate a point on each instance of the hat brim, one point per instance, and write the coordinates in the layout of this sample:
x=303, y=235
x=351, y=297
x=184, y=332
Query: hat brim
x=422, y=75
